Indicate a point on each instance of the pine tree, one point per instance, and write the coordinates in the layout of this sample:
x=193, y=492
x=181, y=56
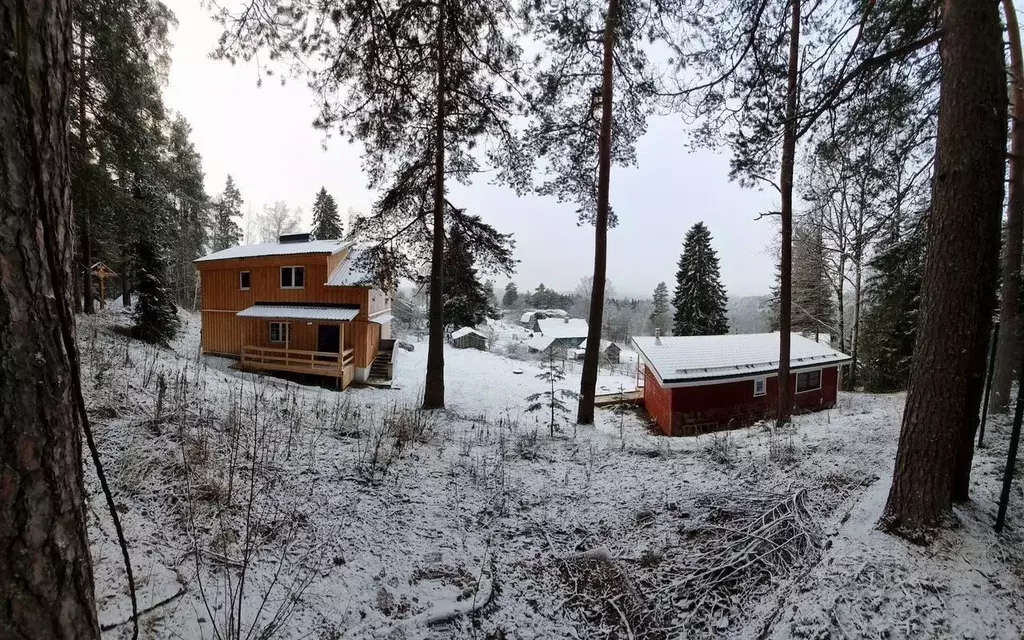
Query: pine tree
x=226, y=232
x=699, y=297
x=511, y=296
x=326, y=221
x=421, y=102
x=659, y=315
x=46, y=577
x=155, y=318
x=574, y=110
x=466, y=303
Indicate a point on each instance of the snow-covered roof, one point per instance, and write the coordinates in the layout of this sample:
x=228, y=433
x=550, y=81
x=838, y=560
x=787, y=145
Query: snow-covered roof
x=604, y=344
x=678, y=359
x=348, y=274
x=465, y=331
x=277, y=249
x=539, y=343
x=382, y=318
x=330, y=313
x=526, y=317
x=563, y=328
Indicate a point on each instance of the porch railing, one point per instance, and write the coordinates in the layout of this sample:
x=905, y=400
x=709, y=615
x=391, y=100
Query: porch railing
x=324, y=363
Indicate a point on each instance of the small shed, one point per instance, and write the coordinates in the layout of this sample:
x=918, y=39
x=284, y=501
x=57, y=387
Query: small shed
x=469, y=338
x=698, y=384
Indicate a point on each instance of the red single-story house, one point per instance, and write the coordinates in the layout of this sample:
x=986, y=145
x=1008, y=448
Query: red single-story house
x=698, y=384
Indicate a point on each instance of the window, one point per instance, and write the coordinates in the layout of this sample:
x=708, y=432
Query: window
x=279, y=332
x=293, y=277
x=245, y=280
x=808, y=381
x=759, y=386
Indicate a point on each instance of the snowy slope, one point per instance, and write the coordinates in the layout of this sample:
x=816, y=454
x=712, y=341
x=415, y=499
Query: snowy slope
x=369, y=519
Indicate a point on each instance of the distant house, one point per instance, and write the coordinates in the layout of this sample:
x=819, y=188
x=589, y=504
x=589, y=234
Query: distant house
x=529, y=319
x=697, y=384
x=297, y=306
x=469, y=338
x=540, y=344
x=609, y=350
x=568, y=333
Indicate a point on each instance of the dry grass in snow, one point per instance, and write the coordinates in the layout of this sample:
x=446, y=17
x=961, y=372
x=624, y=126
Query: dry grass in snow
x=260, y=508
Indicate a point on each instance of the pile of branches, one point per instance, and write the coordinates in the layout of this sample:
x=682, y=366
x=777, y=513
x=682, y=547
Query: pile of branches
x=746, y=545
x=603, y=593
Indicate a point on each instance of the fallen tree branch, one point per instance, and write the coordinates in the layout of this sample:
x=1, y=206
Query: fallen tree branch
x=153, y=607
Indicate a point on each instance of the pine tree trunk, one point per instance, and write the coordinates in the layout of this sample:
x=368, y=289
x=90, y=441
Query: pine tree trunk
x=433, y=394
x=588, y=378
x=963, y=236
x=46, y=581
x=786, y=186
x=1009, y=311
x=84, y=232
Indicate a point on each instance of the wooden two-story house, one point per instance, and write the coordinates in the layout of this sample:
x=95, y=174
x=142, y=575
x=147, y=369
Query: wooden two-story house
x=296, y=306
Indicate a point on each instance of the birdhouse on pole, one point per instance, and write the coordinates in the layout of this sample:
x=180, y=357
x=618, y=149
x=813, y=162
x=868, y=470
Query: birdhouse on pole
x=102, y=272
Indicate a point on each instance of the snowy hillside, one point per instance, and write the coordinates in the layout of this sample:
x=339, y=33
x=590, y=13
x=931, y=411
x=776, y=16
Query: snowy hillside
x=254, y=503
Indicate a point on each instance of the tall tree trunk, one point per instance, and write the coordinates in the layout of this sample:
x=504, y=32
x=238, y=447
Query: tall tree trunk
x=858, y=272
x=1009, y=311
x=46, y=580
x=84, y=231
x=588, y=379
x=433, y=394
x=963, y=233
x=786, y=186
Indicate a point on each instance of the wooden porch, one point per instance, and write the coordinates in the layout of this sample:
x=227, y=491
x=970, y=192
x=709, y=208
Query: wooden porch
x=340, y=366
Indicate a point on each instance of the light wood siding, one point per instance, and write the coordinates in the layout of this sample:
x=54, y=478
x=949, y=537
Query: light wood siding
x=221, y=291
x=366, y=340
x=378, y=301
x=224, y=333
x=334, y=260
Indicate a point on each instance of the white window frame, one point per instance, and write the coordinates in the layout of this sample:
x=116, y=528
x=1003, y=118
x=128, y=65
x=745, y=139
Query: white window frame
x=283, y=332
x=796, y=386
x=243, y=288
x=292, y=268
x=763, y=383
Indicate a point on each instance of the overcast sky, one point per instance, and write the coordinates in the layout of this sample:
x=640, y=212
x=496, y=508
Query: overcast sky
x=263, y=137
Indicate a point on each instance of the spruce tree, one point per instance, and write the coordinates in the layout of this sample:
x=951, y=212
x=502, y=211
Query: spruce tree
x=155, y=318
x=226, y=232
x=326, y=221
x=466, y=303
x=890, y=322
x=659, y=315
x=699, y=297
x=813, y=306
x=511, y=296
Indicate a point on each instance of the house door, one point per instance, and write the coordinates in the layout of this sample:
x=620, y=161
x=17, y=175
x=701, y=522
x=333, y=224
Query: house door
x=328, y=338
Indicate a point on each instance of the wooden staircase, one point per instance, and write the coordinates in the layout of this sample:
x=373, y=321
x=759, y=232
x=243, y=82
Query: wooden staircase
x=382, y=369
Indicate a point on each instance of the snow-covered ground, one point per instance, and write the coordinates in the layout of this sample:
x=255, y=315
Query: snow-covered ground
x=257, y=503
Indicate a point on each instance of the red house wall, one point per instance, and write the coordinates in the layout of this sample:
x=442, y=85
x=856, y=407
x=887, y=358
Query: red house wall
x=658, y=401
x=728, y=405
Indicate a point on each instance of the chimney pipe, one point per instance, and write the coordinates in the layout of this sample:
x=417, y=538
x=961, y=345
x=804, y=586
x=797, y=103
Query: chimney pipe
x=566, y=319
x=657, y=336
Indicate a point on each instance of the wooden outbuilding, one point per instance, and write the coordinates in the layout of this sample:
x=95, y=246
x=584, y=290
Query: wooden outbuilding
x=469, y=338
x=296, y=306
x=698, y=384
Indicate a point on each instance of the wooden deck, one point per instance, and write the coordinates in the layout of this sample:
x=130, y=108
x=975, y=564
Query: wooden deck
x=340, y=366
x=627, y=397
